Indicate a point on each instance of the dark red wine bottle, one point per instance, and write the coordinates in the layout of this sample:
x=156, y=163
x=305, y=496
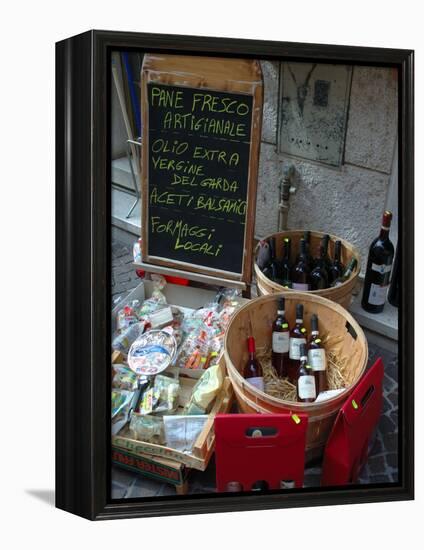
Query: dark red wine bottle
x=336, y=267
x=300, y=272
x=379, y=266
x=252, y=371
x=272, y=269
x=285, y=263
x=325, y=241
x=319, y=275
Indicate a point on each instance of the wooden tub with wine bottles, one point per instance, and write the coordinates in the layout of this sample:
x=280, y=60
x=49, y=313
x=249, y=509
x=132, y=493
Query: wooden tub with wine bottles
x=341, y=259
x=251, y=330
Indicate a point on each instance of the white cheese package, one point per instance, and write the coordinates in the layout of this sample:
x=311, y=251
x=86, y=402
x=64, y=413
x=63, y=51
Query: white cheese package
x=205, y=391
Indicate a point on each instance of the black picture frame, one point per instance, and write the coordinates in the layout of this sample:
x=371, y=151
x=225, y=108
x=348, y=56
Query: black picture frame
x=83, y=274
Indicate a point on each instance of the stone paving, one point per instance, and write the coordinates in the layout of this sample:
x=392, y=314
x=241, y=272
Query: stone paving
x=382, y=464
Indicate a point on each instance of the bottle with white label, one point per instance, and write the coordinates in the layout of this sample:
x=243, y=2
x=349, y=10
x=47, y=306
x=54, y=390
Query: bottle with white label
x=316, y=356
x=252, y=371
x=298, y=336
x=379, y=266
x=280, y=340
x=306, y=387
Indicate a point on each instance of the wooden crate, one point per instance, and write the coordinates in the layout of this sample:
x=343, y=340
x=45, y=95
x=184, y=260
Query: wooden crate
x=160, y=469
x=205, y=443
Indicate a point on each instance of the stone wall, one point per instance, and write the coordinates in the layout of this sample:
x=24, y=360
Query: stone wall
x=347, y=201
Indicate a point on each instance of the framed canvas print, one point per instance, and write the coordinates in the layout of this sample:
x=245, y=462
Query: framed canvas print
x=234, y=275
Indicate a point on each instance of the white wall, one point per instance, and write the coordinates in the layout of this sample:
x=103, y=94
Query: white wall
x=346, y=201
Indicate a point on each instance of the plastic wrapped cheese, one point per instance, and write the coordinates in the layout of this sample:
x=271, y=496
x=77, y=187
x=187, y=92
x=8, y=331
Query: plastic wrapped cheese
x=205, y=391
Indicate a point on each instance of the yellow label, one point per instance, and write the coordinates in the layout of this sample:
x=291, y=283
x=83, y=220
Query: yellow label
x=355, y=404
x=296, y=419
x=285, y=325
x=318, y=340
x=303, y=329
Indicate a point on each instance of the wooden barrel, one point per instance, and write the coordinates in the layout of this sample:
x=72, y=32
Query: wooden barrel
x=341, y=294
x=256, y=318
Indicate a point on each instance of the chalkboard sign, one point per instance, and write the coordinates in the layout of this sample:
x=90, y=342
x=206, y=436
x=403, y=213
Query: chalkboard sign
x=196, y=190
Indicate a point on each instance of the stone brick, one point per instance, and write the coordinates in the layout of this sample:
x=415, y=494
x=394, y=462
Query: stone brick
x=389, y=384
x=372, y=126
x=392, y=460
x=145, y=487
x=376, y=464
x=390, y=442
x=118, y=490
x=393, y=398
x=391, y=369
x=118, y=250
x=394, y=417
x=122, y=477
x=386, y=425
x=377, y=447
x=123, y=278
x=380, y=478
x=387, y=406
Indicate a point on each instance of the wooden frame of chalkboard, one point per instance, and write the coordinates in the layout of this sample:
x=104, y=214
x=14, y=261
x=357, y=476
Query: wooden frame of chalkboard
x=83, y=275
x=201, y=138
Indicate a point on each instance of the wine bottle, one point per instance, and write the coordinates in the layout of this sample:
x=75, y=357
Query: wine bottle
x=393, y=295
x=280, y=340
x=316, y=356
x=306, y=388
x=324, y=241
x=336, y=267
x=351, y=266
x=379, y=266
x=272, y=269
x=319, y=275
x=298, y=337
x=260, y=485
x=234, y=487
x=300, y=272
x=285, y=263
x=307, y=238
x=252, y=371
x=287, y=484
